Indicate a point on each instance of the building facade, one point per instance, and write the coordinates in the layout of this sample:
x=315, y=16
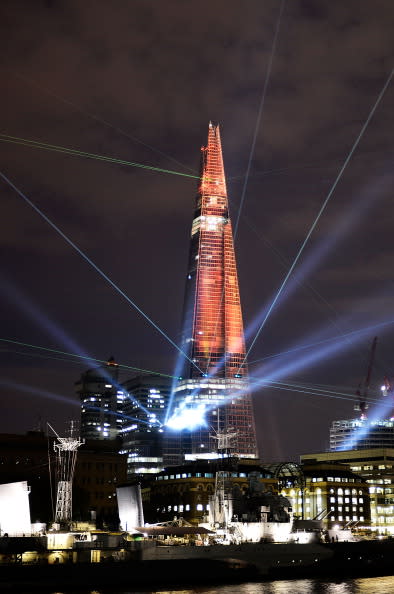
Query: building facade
x=146, y=400
x=102, y=402
x=186, y=491
x=376, y=467
x=213, y=395
x=131, y=412
x=331, y=493
x=361, y=433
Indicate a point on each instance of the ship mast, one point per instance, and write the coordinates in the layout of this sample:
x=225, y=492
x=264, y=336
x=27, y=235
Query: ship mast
x=66, y=457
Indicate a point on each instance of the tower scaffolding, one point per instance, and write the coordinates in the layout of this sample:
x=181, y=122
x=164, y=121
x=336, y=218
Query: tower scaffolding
x=66, y=457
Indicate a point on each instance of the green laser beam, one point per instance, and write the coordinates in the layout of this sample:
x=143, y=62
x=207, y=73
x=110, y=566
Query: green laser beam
x=77, y=153
x=91, y=115
x=33, y=346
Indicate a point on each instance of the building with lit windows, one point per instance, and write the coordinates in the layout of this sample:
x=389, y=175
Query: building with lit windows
x=131, y=412
x=146, y=400
x=213, y=395
x=186, y=491
x=102, y=402
x=331, y=493
x=361, y=434
x=376, y=467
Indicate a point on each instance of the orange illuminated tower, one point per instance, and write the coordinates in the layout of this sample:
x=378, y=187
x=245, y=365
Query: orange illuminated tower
x=214, y=381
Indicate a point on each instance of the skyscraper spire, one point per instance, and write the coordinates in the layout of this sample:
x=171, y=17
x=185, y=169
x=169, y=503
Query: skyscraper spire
x=216, y=328
x=213, y=335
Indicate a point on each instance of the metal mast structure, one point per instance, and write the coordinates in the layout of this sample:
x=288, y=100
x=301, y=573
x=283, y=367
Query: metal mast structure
x=213, y=334
x=362, y=393
x=66, y=457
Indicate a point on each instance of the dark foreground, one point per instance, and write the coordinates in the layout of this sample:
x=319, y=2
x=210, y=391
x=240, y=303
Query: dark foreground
x=348, y=560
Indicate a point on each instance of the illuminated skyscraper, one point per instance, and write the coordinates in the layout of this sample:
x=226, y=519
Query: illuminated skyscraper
x=101, y=402
x=215, y=382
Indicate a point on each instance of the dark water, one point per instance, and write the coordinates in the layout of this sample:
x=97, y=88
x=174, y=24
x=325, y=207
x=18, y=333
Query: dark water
x=379, y=585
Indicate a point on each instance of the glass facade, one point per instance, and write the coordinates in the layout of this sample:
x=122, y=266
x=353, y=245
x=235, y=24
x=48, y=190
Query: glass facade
x=101, y=402
x=361, y=434
x=213, y=335
x=146, y=399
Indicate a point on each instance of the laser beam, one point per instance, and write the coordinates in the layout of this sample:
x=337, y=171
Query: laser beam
x=93, y=265
x=77, y=153
x=258, y=119
x=97, y=118
x=353, y=333
x=84, y=357
x=251, y=153
x=322, y=209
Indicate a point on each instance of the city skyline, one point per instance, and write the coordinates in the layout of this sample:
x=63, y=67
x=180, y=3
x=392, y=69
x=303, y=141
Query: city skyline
x=292, y=85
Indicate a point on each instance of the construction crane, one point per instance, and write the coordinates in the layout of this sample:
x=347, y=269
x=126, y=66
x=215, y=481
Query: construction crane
x=362, y=391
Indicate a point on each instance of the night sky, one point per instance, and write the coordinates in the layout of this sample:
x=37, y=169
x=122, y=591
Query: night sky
x=292, y=85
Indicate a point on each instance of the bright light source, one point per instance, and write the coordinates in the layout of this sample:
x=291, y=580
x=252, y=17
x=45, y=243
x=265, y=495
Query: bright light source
x=188, y=418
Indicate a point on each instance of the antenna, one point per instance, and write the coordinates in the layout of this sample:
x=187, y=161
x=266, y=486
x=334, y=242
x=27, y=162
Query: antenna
x=362, y=393
x=66, y=457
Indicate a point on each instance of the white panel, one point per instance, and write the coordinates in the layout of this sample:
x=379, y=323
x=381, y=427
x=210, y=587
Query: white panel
x=14, y=509
x=130, y=507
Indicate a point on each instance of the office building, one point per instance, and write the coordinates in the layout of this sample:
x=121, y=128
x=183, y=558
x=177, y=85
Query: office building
x=212, y=399
x=376, y=467
x=361, y=433
x=146, y=400
x=102, y=401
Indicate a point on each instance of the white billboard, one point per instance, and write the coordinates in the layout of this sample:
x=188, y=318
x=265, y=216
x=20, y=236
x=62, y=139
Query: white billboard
x=15, y=509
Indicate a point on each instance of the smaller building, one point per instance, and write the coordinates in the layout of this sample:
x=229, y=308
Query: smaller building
x=375, y=466
x=330, y=492
x=186, y=490
x=361, y=434
x=102, y=401
x=146, y=399
x=100, y=469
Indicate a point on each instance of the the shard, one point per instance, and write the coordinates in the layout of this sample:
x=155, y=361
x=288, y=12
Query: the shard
x=213, y=391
